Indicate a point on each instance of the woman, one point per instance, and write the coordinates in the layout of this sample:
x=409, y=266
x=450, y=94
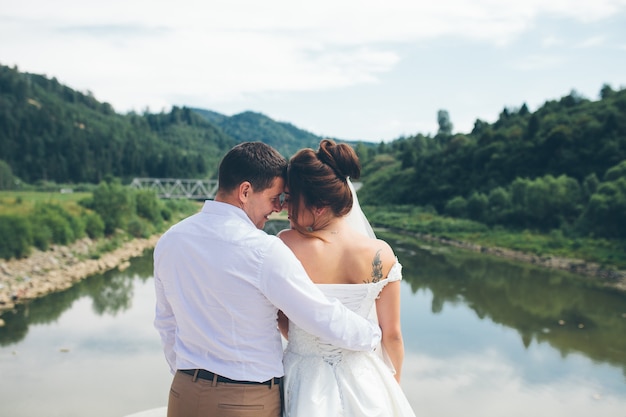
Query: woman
x=334, y=242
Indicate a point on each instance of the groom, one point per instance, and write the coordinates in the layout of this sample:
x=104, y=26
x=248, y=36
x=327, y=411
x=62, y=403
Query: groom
x=220, y=281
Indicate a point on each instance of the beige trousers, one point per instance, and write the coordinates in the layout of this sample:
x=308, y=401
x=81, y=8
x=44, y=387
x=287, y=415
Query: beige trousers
x=191, y=397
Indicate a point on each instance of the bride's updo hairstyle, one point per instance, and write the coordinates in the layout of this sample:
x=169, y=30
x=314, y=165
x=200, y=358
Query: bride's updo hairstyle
x=320, y=179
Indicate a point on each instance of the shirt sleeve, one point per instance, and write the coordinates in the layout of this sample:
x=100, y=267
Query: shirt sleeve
x=287, y=286
x=164, y=322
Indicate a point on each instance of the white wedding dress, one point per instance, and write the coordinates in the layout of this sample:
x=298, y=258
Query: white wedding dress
x=322, y=380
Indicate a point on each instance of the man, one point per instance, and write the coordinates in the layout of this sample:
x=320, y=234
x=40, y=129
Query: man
x=220, y=281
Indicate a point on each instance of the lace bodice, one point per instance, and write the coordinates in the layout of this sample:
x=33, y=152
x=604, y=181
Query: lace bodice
x=360, y=298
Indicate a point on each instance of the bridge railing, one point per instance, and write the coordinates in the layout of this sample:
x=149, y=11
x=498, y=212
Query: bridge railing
x=178, y=188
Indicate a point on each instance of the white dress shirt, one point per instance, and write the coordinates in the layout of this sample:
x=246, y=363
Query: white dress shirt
x=219, y=284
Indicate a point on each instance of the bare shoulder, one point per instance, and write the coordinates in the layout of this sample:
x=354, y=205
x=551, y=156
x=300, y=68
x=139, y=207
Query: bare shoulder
x=382, y=259
x=385, y=251
x=286, y=235
x=293, y=239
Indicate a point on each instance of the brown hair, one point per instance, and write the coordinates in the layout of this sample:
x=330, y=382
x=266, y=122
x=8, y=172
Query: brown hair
x=255, y=162
x=320, y=179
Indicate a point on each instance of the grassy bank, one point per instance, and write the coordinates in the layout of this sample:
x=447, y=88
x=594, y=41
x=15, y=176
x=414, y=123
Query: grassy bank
x=112, y=214
x=24, y=202
x=610, y=254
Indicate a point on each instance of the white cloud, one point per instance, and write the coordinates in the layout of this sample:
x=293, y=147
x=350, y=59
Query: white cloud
x=592, y=42
x=139, y=53
x=551, y=41
x=538, y=62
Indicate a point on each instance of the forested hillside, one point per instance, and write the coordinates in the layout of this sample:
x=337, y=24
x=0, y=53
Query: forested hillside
x=285, y=137
x=561, y=167
x=50, y=132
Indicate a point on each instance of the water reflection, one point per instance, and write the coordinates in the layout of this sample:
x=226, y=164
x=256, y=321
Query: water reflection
x=90, y=350
x=110, y=293
x=483, y=338
x=570, y=312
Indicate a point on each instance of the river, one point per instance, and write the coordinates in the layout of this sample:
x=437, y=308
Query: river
x=484, y=337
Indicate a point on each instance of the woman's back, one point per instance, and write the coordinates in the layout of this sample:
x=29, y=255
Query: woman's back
x=340, y=255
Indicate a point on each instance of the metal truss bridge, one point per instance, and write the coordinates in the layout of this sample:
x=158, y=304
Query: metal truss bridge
x=178, y=188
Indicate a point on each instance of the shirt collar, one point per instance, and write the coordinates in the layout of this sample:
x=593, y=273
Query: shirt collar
x=225, y=209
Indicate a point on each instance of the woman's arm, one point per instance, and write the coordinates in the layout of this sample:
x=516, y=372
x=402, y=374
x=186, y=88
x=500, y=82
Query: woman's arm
x=388, y=311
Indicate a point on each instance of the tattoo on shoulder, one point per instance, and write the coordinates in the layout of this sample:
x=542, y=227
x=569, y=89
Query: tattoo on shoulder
x=377, y=268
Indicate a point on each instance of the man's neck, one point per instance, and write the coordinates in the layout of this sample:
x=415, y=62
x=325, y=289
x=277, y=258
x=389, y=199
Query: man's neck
x=227, y=198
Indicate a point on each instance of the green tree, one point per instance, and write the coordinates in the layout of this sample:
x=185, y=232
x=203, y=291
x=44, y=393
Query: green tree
x=499, y=202
x=444, y=122
x=545, y=203
x=477, y=207
x=605, y=214
x=114, y=203
x=456, y=207
x=148, y=206
x=606, y=91
x=7, y=180
x=590, y=185
x=64, y=227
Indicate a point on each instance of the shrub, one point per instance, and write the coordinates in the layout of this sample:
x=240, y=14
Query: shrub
x=605, y=214
x=477, y=206
x=15, y=236
x=166, y=213
x=456, y=207
x=94, y=225
x=114, y=204
x=147, y=205
x=62, y=225
x=42, y=236
x=138, y=227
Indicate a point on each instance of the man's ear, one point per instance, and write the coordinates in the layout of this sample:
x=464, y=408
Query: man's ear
x=245, y=189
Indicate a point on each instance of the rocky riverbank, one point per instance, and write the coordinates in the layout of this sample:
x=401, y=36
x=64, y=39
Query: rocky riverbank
x=58, y=268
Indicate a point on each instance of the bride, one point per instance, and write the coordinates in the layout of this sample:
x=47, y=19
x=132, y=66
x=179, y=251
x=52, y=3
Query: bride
x=336, y=245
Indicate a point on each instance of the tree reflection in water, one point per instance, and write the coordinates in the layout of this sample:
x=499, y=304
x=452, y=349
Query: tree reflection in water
x=111, y=293
x=570, y=312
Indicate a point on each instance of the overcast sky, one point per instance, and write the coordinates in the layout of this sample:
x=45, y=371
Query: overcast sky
x=351, y=69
